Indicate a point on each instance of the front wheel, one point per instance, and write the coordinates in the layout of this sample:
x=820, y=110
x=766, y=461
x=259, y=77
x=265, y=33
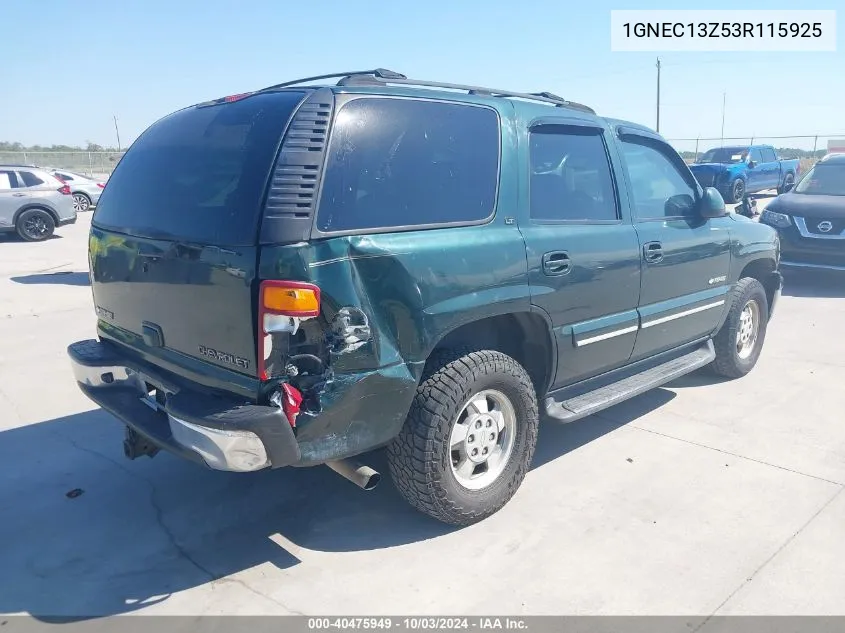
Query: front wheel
x=35, y=225
x=740, y=340
x=469, y=437
x=737, y=191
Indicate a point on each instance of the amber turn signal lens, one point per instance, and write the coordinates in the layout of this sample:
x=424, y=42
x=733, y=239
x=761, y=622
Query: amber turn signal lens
x=292, y=301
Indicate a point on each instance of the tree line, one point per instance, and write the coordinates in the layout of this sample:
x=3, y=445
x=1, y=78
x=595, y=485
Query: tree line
x=7, y=146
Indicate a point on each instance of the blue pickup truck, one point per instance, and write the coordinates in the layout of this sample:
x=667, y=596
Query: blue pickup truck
x=741, y=169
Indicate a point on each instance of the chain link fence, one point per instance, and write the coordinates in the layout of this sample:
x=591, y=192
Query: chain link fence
x=97, y=165
x=808, y=148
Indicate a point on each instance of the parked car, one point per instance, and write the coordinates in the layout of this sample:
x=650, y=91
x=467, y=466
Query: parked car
x=33, y=202
x=741, y=169
x=421, y=266
x=86, y=191
x=810, y=218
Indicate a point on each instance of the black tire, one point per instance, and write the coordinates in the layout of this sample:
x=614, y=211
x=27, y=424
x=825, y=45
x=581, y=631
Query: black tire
x=787, y=180
x=730, y=362
x=81, y=202
x=420, y=457
x=737, y=190
x=35, y=225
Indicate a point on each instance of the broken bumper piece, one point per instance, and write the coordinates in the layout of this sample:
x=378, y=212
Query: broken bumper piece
x=221, y=433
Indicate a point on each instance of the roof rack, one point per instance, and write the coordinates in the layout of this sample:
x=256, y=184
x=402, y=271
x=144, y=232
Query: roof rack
x=383, y=77
x=381, y=73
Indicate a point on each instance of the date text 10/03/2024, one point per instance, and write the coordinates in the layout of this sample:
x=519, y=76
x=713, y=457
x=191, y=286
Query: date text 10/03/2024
x=418, y=623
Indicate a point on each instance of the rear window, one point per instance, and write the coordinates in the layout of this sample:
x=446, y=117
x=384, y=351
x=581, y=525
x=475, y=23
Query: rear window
x=199, y=174
x=405, y=162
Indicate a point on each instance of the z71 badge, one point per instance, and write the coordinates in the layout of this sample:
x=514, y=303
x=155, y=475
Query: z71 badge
x=223, y=357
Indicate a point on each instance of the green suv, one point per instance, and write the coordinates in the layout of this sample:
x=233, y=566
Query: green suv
x=426, y=267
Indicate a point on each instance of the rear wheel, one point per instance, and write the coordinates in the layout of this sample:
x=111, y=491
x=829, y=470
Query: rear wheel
x=35, y=225
x=469, y=437
x=740, y=341
x=81, y=202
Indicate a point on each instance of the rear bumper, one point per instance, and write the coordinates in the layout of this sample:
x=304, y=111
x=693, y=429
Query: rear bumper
x=222, y=433
x=66, y=221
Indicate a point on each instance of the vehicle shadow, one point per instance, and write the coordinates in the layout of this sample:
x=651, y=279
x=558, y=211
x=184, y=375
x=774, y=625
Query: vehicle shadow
x=91, y=534
x=819, y=285
x=64, y=277
x=556, y=439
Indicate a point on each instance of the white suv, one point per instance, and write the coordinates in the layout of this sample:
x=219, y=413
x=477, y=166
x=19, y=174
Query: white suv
x=33, y=202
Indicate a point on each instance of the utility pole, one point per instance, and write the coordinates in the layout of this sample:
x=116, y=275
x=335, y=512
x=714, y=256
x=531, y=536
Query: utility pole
x=724, y=96
x=116, y=131
x=658, y=95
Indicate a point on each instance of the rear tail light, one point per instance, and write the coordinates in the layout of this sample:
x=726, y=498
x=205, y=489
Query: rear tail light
x=281, y=305
x=65, y=190
x=101, y=185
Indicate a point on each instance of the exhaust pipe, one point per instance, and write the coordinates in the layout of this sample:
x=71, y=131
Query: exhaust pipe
x=362, y=476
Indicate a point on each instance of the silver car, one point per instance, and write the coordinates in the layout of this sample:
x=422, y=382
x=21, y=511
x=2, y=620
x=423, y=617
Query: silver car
x=33, y=202
x=85, y=191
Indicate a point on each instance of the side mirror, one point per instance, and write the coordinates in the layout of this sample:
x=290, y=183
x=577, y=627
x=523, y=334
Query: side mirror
x=751, y=164
x=788, y=186
x=711, y=204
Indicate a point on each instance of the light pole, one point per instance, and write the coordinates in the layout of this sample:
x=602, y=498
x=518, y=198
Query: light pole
x=658, y=95
x=116, y=131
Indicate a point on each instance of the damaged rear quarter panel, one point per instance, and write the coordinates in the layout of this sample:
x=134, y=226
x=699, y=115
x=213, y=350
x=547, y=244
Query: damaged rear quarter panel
x=413, y=288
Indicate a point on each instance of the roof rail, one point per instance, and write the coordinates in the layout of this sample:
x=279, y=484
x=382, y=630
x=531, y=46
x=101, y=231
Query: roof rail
x=381, y=73
x=369, y=78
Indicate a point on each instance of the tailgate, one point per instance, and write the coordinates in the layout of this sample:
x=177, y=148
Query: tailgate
x=168, y=296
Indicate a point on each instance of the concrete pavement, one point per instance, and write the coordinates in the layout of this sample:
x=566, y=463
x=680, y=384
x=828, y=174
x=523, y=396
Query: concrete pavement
x=701, y=498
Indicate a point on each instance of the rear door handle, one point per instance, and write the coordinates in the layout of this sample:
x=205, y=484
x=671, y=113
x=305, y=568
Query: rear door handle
x=556, y=263
x=18, y=195
x=653, y=252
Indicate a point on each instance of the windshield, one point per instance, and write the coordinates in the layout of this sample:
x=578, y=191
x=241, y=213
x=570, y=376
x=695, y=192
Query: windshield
x=823, y=180
x=199, y=175
x=724, y=155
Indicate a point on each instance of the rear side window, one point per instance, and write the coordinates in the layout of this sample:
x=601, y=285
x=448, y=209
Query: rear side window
x=403, y=162
x=65, y=177
x=570, y=175
x=30, y=179
x=199, y=175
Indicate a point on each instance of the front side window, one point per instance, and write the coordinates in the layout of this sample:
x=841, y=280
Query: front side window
x=658, y=188
x=8, y=180
x=756, y=156
x=405, y=162
x=570, y=175
x=769, y=155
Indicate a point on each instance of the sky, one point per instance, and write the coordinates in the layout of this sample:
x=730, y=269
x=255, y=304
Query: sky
x=74, y=64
